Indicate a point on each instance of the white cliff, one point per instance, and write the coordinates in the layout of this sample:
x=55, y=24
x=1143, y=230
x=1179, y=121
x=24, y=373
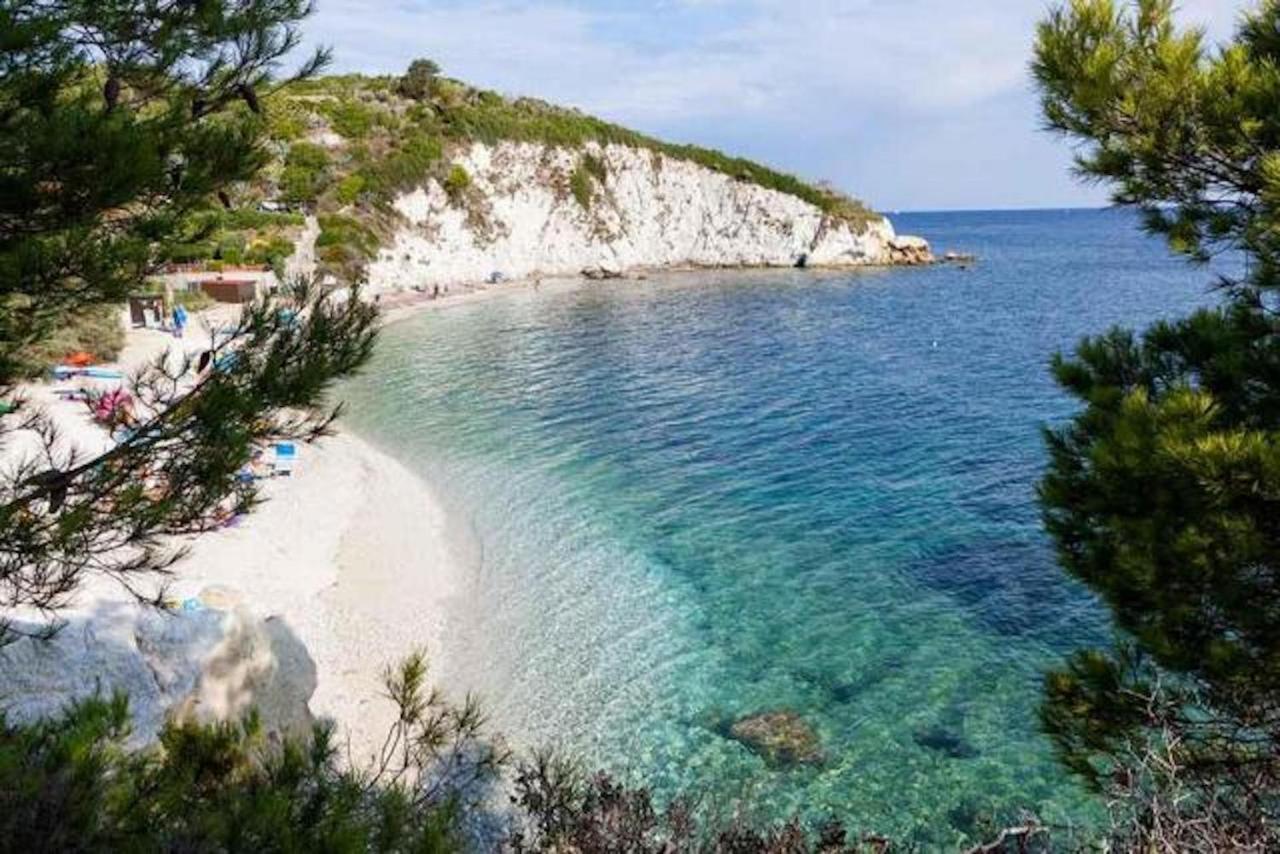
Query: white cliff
x=520, y=218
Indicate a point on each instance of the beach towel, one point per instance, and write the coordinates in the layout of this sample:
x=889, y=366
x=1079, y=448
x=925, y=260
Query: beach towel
x=66, y=372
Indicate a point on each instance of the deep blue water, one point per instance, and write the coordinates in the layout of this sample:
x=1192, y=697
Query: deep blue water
x=710, y=495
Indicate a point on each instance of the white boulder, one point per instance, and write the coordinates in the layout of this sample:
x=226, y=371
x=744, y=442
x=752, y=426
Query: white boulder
x=207, y=665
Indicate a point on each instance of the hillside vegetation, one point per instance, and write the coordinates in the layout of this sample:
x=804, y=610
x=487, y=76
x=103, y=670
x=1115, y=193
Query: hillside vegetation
x=346, y=147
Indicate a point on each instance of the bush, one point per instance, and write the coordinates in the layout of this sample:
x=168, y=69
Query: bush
x=305, y=173
x=68, y=784
x=345, y=246
x=286, y=119
x=230, y=249
x=407, y=167
x=97, y=330
x=457, y=183
x=271, y=251
x=417, y=82
x=350, y=188
x=563, y=809
x=596, y=167
x=580, y=186
x=349, y=118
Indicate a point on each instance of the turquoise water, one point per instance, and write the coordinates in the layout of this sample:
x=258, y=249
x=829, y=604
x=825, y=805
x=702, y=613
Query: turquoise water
x=711, y=495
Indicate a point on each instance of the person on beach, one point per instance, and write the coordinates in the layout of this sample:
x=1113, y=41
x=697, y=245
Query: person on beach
x=179, y=320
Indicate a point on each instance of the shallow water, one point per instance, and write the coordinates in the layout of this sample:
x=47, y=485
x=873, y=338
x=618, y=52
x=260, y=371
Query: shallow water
x=710, y=495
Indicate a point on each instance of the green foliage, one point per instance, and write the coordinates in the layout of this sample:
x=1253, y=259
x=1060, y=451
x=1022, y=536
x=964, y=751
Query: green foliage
x=349, y=118
x=345, y=245
x=595, y=166
x=417, y=83
x=68, y=784
x=306, y=173
x=581, y=187
x=1172, y=126
x=457, y=182
x=97, y=330
x=448, y=112
x=406, y=167
x=111, y=133
x=350, y=188
x=240, y=236
x=286, y=119
x=230, y=249
x=269, y=252
x=526, y=120
x=226, y=787
x=1162, y=494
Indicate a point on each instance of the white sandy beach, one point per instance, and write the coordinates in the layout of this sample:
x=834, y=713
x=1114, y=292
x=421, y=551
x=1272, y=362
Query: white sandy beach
x=352, y=551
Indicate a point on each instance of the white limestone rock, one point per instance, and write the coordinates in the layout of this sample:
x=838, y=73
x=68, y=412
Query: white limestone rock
x=206, y=665
x=521, y=220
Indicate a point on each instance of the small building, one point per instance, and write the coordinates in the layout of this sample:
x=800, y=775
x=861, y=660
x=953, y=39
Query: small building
x=146, y=311
x=230, y=290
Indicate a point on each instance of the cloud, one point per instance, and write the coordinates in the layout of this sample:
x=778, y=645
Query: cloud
x=811, y=84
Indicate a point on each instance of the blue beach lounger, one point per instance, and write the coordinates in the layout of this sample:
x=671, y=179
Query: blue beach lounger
x=286, y=456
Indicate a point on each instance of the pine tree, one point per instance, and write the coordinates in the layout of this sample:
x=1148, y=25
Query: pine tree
x=118, y=120
x=1163, y=494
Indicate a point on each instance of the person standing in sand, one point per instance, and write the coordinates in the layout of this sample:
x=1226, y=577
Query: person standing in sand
x=179, y=320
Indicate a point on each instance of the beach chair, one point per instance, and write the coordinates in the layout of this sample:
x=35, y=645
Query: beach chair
x=286, y=456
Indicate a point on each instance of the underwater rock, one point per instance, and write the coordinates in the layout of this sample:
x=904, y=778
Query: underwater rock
x=782, y=739
x=944, y=741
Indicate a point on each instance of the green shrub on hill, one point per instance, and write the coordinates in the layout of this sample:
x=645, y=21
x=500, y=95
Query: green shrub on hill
x=349, y=118
x=595, y=165
x=417, y=82
x=581, y=187
x=345, y=245
x=350, y=188
x=493, y=121
x=404, y=168
x=457, y=182
x=270, y=252
x=305, y=173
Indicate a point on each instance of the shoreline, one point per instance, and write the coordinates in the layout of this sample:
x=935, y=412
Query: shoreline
x=398, y=306
x=354, y=552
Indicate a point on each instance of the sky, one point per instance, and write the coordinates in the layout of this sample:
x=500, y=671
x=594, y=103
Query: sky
x=907, y=104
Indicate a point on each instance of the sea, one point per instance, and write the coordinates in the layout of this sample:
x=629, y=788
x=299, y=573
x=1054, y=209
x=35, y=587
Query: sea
x=700, y=497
